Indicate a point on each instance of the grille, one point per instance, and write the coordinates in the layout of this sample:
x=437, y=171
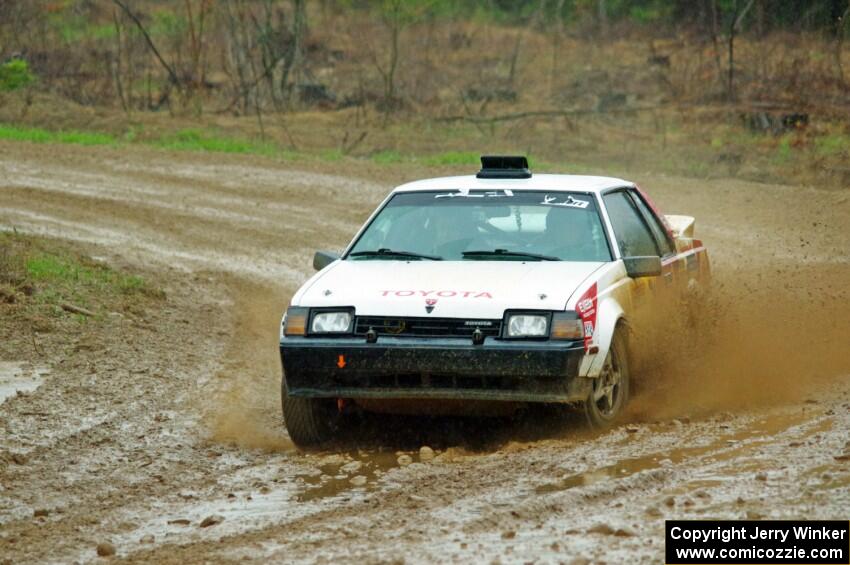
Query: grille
x=426, y=327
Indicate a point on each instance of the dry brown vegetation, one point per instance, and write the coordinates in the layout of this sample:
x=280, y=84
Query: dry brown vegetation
x=714, y=96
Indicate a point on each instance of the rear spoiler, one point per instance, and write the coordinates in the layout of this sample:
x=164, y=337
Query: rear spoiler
x=682, y=226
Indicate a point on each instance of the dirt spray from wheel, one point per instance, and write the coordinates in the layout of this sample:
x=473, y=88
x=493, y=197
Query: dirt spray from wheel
x=245, y=408
x=757, y=336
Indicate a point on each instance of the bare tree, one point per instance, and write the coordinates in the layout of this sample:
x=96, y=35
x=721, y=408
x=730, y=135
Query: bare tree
x=393, y=17
x=197, y=45
x=558, y=31
x=293, y=54
x=840, y=33
x=515, y=57
x=116, y=63
x=602, y=15
x=396, y=16
x=240, y=42
x=172, y=75
x=734, y=26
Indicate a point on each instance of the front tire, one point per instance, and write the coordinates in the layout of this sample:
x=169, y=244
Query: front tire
x=609, y=394
x=309, y=421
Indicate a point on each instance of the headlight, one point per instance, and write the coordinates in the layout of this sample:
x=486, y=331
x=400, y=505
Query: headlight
x=528, y=325
x=330, y=322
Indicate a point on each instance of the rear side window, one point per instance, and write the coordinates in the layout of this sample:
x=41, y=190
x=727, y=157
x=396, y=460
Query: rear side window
x=630, y=229
x=654, y=224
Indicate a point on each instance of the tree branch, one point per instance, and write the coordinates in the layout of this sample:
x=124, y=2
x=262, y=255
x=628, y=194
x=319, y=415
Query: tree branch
x=171, y=74
x=538, y=114
x=737, y=23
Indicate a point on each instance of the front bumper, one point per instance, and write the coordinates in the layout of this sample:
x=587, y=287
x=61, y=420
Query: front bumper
x=449, y=368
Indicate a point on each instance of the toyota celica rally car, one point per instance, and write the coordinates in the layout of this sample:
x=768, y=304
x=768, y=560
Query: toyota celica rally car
x=500, y=287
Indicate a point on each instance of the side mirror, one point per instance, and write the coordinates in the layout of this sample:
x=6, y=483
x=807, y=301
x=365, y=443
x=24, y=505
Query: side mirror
x=644, y=266
x=324, y=258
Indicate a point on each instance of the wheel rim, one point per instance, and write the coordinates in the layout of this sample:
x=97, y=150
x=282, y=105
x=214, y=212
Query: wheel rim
x=608, y=387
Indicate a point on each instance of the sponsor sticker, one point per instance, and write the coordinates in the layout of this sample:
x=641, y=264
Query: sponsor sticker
x=569, y=202
x=465, y=193
x=586, y=309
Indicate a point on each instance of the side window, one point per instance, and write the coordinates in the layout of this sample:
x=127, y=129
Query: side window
x=654, y=224
x=633, y=236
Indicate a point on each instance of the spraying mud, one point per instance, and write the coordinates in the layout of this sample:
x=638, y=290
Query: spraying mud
x=247, y=377
x=166, y=441
x=757, y=337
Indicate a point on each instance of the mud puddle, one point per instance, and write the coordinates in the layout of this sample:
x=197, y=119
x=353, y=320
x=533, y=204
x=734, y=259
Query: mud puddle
x=334, y=479
x=725, y=447
x=18, y=377
x=232, y=514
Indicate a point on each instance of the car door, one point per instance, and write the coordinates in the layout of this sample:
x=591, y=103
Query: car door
x=634, y=237
x=687, y=265
x=672, y=266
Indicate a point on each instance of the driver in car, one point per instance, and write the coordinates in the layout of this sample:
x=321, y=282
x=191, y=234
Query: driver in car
x=568, y=235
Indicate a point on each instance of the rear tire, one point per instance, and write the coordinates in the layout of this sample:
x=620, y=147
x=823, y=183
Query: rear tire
x=309, y=421
x=609, y=394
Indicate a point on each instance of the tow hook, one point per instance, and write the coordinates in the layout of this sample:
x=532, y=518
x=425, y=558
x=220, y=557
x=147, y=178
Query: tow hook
x=477, y=337
x=371, y=336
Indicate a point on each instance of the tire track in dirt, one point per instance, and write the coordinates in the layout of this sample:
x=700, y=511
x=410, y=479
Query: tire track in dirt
x=252, y=229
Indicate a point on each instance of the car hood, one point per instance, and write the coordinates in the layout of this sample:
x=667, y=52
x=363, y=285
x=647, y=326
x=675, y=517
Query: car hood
x=469, y=289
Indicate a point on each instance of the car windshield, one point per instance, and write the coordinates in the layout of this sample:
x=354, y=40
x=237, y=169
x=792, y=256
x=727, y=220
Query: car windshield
x=494, y=225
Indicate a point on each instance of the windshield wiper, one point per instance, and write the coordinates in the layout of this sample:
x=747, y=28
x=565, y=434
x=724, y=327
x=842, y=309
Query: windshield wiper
x=385, y=252
x=507, y=253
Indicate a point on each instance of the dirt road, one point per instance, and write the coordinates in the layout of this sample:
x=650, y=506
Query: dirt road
x=174, y=418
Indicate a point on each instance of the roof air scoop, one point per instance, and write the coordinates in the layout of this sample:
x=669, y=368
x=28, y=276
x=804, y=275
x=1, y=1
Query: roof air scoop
x=504, y=167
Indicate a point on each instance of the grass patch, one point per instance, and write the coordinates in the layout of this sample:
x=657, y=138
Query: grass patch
x=183, y=140
x=39, y=135
x=50, y=291
x=783, y=150
x=198, y=140
x=388, y=157
x=834, y=144
x=331, y=155
x=697, y=169
x=452, y=158
x=38, y=276
x=768, y=157
x=65, y=269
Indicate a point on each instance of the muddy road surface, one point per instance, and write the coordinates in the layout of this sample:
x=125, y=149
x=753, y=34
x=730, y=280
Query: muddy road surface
x=162, y=436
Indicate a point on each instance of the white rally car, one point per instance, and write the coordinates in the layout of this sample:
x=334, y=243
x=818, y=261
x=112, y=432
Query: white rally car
x=504, y=287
